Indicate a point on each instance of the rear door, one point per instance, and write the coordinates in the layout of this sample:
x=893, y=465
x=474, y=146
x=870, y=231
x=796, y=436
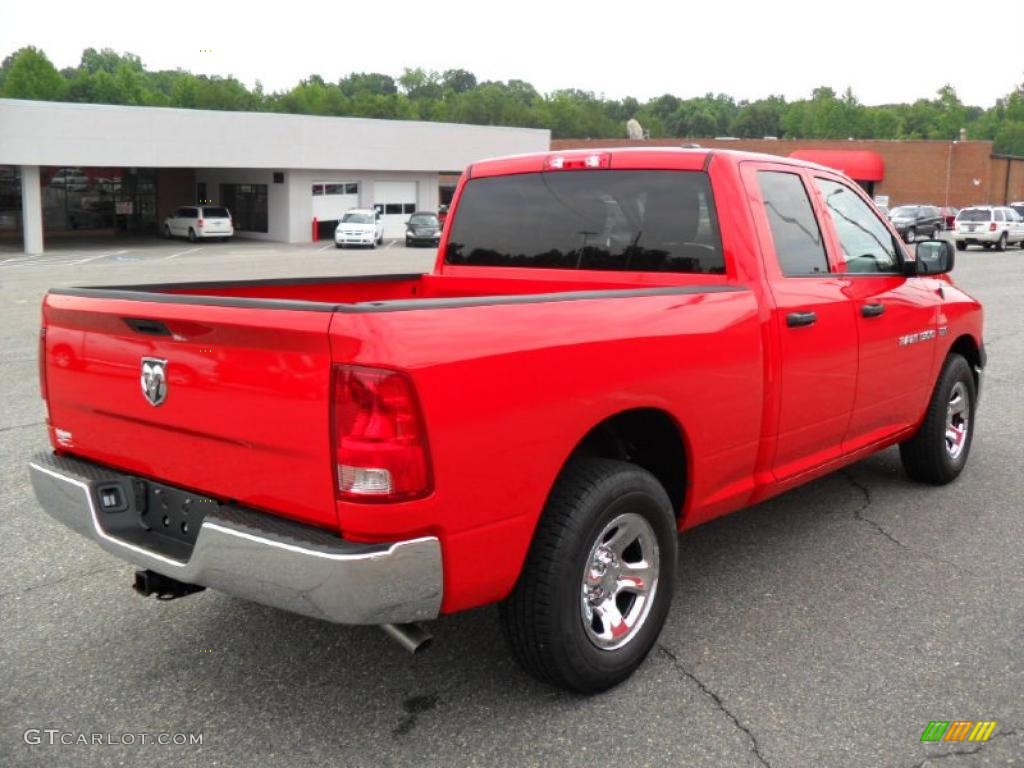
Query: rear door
x=813, y=319
x=896, y=316
x=243, y=411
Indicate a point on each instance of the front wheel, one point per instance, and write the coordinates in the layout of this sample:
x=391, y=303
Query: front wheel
x=938, y=451
x=910, y=236
x=961, y=245
x=598, y=579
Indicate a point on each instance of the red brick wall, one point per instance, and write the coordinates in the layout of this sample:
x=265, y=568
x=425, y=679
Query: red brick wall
x=915, y=171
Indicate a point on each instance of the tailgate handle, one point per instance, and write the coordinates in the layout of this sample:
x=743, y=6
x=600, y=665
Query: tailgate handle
x=146, y=326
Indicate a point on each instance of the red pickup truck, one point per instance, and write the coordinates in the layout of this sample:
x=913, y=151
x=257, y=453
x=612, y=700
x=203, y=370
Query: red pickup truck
x=614, y=346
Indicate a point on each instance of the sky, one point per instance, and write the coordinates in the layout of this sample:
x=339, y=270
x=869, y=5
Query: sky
x=886, y=52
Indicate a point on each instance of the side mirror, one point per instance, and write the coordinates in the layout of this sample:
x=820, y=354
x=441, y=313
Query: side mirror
x=934, y=257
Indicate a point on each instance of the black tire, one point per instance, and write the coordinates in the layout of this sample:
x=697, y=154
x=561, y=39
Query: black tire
x=1001, y=243
x=961, y=245
x=339, y=246
x=191, y=235
x=987, y=246
x=542, y=619
x=926, y=456
x=408, y=243
x=910, y=235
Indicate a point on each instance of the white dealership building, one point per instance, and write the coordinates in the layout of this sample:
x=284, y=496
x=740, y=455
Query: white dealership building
x=68, y=170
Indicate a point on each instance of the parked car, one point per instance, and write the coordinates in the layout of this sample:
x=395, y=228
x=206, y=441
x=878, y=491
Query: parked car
x=200, y=222
x=988, y=226
x=917, y=221
x=359, y=226
x=949, y=217
x=603, y=355
x=423, y=228
x=1019, y=208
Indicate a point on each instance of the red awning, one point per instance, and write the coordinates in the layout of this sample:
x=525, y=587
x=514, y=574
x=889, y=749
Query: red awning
x=858, y=164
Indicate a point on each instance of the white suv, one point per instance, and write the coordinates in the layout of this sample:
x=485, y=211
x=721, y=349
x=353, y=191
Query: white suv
x=359, y=226
x=200, y=222
x=988, y=225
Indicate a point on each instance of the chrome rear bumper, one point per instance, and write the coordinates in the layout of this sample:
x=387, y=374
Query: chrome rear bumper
x=260, y=557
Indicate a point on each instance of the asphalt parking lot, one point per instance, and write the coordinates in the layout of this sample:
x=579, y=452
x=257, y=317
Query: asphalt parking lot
x=826, y=627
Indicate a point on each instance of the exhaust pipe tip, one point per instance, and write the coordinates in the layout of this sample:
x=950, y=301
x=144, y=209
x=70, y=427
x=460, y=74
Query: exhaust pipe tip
x=413, y=637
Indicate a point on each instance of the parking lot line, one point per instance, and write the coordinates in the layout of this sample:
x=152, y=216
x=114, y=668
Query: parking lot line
x=182, y=253
x=97, y=258
x=330, y=245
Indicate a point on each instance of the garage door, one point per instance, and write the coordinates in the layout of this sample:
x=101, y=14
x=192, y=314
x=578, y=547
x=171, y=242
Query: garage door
x=396, y=200
x=333, y=198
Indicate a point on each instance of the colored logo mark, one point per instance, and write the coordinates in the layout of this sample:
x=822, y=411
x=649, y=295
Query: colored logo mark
x=958, y=730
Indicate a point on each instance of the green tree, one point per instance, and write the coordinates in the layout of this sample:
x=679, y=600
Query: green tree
x=30, y=75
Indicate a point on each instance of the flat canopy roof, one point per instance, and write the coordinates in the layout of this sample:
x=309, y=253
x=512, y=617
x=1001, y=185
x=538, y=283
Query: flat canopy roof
x=858, y=164
x=60, y=134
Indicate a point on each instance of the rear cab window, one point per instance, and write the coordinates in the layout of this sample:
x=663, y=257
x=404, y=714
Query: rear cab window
x=611, y=220
x=216, y=213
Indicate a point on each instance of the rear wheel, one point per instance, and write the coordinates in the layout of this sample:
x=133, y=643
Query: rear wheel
x=191, y=235
x=167, y=232
x=597, y=583
x=911, y=235
x=938, y=451
x=1001, y=243
x=961, y=245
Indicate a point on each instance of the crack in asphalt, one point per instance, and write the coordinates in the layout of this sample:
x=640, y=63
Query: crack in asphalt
x=22, y=426
x=859, y=515
x=755, y=747
x=61, y=580
x=963, y=752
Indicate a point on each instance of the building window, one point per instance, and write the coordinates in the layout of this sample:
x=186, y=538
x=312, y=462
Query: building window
x=10, y=199
x=248, y=205
x=339, y=188
x=201, y=193
x=408, y=207
x=278, y=177
x=318, y=189
x=393, y=208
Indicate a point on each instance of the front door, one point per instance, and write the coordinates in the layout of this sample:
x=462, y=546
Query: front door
x=813, y=319
x=896, y=316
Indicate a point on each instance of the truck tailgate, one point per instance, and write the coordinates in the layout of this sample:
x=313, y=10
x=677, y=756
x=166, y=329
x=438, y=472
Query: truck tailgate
x=245, y=414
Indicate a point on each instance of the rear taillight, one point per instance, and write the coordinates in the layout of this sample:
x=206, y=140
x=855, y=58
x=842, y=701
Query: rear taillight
x=199, y=223
x=992, y=227
x=380, y=444
x=42, y=363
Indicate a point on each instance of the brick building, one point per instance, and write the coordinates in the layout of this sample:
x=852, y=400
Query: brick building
x=955, y=173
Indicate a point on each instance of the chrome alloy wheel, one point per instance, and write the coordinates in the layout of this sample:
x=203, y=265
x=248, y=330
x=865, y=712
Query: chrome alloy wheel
x=619, y=581
x=958, y=416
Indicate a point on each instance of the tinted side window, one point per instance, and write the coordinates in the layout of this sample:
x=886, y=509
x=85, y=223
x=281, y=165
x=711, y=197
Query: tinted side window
x=795, y=232
x=181, y=213
x=643, y=221
x=865, y=240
